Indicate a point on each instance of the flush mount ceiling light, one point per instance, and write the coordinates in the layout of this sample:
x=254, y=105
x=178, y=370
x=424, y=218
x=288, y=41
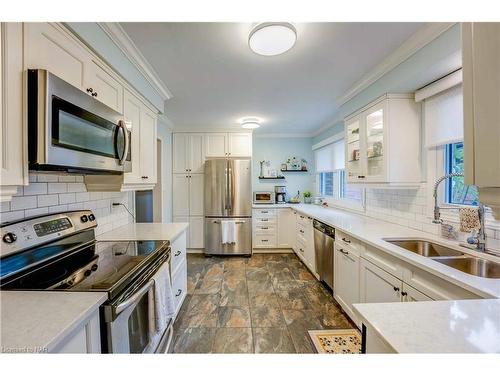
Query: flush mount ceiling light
x=250, y=123
x=272, y=38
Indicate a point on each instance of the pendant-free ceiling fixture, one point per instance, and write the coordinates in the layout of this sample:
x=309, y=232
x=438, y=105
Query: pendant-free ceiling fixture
x=272, y=38
x=250, y=123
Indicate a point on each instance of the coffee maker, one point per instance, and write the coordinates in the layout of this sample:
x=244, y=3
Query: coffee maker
x=280, y=193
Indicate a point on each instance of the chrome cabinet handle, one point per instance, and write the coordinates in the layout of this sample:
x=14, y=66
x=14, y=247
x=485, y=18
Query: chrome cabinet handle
x=179, y=292
x=346, y=240
x=177, y=253
x=134, y=298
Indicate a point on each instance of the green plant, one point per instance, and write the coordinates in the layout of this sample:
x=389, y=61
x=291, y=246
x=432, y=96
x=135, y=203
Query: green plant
x=307, y=194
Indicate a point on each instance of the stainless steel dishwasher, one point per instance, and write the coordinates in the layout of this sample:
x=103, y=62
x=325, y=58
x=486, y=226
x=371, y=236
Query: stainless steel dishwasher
x=324, y=237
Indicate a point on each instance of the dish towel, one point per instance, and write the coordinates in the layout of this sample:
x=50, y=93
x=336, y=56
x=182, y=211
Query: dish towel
x=469, y=219
x=164, y=305
x=228, y=228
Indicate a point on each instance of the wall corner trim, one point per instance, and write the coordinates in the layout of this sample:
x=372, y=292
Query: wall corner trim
x=134, y=55
x=417, y=41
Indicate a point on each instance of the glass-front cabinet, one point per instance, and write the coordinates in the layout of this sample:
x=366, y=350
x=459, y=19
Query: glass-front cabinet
x=382, y=142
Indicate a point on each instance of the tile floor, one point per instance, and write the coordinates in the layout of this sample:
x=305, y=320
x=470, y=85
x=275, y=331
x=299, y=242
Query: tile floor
x=262, y=304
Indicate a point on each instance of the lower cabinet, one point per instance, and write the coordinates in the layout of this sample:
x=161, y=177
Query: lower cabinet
x=304, y=241
x=286, y=221
x=195, y=234
x=410, y=294
x=86, y=338
x=178, y=270
x=376, y=285
x=346, y=279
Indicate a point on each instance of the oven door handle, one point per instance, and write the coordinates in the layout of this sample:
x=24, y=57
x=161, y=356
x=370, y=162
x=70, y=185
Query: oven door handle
x=122, y=125
x=134, y=298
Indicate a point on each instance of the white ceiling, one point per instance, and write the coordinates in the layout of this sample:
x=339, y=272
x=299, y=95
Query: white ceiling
x=216, y=79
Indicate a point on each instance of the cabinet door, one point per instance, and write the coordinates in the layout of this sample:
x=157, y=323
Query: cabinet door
x=374, y=145
x=180, y=193
x=354, y=166
x=12, y=143
x=184, y=219
x=378, y=285
x=196, y=232
x=412, y=295
x=286, y=228
x=148, y=146
x=346, y=287
x=47, y=47
x=196, y=156
x=104, y=87
x=216, y=145
x=239, y=144
x=180, y=152
x=132, y=114
x=196, y=193
x=310, y=254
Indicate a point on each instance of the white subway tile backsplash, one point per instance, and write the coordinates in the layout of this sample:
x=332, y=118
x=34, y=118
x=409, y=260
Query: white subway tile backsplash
x=66, y=178
x=59, y=208
x=67, y=198
x=11, y=216
x=82, y=197
x=57, y=187
x=4, y=206
x=36, y=212
x=36, y=188
x=42, y=177
x=23, y=203
x=48, y=200
x=77, y=187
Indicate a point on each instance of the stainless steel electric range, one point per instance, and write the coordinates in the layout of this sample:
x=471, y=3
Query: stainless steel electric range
x=59, y=252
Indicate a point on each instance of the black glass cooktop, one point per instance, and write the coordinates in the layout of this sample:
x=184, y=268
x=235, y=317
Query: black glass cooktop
x=74, y=264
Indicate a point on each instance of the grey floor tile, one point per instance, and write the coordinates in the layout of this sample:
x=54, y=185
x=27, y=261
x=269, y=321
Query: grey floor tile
x=234, y=292
x=272, y=340
x=234, y=317
x=194, y=340
x=266, y=316
x=257, y=274
x=208, y=286
x=233, y=340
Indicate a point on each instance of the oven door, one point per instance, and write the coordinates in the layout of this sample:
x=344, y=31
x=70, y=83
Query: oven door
x=130, y=326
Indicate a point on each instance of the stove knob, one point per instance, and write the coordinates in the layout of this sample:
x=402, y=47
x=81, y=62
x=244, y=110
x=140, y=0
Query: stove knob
x=9, y=237
x=87, y=273
x=94, y=267
x=91, y=217
x=84, y=218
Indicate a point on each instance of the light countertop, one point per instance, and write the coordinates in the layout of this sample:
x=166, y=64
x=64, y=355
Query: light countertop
x=274, y=205
x=37, y=321
x=468, y=326
x=373, y=232
x=144, y=232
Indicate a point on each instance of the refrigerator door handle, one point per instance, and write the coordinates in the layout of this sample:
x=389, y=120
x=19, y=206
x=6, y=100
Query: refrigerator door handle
x=230, y=186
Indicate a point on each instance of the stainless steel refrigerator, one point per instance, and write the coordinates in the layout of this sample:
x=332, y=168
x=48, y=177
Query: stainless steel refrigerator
x=228, y=196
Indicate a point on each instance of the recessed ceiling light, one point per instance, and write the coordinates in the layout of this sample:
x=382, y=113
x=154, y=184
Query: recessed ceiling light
x=250, y=123
x=272, y=38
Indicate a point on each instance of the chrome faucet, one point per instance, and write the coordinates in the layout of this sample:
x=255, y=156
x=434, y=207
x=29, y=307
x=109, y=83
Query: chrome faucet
x=437, y=213
x=477, y=239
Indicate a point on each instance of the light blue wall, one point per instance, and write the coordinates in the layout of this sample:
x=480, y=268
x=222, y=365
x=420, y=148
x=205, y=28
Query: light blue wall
x=435, y=60
x=92, y=35
x=277, y=150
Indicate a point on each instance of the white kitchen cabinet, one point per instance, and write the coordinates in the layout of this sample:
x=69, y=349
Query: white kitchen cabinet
x=180, y=193
x=410, y=294
x=104, y=87
x=305, y=241
x=481, y=95
x=376, y=285
x=196, y=232
x=228, y=144
x=183, y=219
x=188, y=153
x=178, y=270
x=85, y=338
x=346, y=278
x=382, y=142
x=13, y=163
x=196, y=194
x=286, y=223
x=148, y=145
x=132, y=114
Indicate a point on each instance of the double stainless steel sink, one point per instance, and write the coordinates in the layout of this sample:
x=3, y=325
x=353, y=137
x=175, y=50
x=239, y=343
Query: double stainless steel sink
x=450, y=257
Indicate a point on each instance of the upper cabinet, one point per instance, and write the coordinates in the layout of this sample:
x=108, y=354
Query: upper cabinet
x=228, y=145
x=188, y=153
x=383, y=143
x=104, y=87
x=481, y=95
x=13, y=163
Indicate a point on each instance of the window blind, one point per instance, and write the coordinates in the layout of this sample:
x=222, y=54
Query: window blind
x=330, y=157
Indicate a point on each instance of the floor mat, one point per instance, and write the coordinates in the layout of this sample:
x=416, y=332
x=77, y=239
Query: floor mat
x=336, y=341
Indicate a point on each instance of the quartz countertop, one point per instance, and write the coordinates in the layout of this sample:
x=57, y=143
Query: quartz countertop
x=467, y=326
x=373, y=232
x=37, y=321
x=144, y=232
x=273, y=205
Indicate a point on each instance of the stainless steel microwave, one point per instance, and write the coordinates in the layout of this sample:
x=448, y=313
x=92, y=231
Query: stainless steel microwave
x=263, y=197
x=70, y=131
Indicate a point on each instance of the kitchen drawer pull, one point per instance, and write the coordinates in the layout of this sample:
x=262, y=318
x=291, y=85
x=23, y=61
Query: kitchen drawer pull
x=396, y=289
x=265, y=240
x=264, y=212
x=264, y=219
x=301, y=231
x=301, y=249
x=179, y=292
x=404, y=294
x=361, y=176
x=346, y=240
x=90, y=90
x=264, y=228
x=236, y=222
x=177, y=253
x=344, y=252
x=302, y=217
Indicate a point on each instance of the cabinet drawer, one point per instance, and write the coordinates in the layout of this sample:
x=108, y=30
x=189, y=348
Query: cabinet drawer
x=178, y=251
x=264, y=212
x=301, y=246
x=265, y=220
x=264, y=228
x=385, y=261
x=179, y=285
x=264, y=240
x=344, y=239
x=303, y=219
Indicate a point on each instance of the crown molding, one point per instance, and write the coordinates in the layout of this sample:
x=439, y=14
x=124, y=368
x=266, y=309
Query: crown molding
x=134, y=55
x=418, y=40
x=166, y=121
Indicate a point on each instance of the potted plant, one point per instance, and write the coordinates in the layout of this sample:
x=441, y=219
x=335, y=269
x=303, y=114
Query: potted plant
x=307, y=197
